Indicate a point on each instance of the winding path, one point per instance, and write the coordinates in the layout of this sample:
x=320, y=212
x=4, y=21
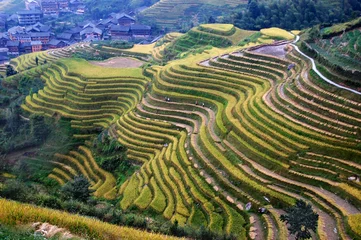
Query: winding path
x=314, y=68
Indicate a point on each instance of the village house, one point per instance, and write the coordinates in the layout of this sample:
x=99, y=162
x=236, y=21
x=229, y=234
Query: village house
x=36, y=46
x=50, y=6
x=37, y=27
x=55, y=43
x=3, y=40
x=25, y=48
x=15, y=30
x=13, y=47
x=63, y=4
x=43, y=37
x=120, y=32
x=91, y=33
x=29, y=17
x=32, y=4
x=75, y=33
x=124, y=19
x=3, y=19
x=140, y=31
x=65, y=36
x=22, y=37
x=75, y=4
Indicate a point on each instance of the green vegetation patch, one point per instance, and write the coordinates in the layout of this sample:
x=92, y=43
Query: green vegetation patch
x=88, y=70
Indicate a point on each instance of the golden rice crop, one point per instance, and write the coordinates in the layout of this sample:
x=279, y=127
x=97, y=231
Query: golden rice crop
x=12, y=213
x=277, y=33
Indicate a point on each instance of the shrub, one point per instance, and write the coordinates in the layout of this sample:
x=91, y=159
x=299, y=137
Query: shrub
x=77, y=189
x=14, y=189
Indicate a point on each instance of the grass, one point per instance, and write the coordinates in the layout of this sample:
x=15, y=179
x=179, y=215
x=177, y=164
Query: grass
x=88, y=70
x=12, y=213
x=339, y=28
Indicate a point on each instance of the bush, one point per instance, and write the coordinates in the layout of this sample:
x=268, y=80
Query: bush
x=77, y=189
x=14, y=189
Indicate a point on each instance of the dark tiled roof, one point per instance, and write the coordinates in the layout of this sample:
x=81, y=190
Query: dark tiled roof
x=91, y=30
x=34, y=43
x=4, y=35
x=12, y=43
x=123, y=15
x=66, y=36
x=119, y=28
x=74, y=30
x=40, y=34
x=139, y=27
x=24, y=12
x=16, y=29
x=54, y=42
x=45, y=28
x=108, y=21
x=25, y=44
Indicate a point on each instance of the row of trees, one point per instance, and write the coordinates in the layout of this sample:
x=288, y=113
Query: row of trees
x=295, y=14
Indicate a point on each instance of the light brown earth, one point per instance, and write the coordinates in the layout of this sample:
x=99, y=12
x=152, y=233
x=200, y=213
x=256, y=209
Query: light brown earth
x=119, y=62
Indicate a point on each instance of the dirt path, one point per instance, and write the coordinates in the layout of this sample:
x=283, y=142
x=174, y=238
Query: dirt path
x=119, y=62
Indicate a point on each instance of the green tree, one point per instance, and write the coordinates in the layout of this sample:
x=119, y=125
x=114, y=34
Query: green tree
x=301, y=219
x=10, y=71
x=254, y=9
x=37, y=61
x=38, y=128
x=77, y=189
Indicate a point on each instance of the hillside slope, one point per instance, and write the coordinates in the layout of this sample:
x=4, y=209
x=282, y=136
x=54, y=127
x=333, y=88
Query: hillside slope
x=172, y=14
x=338, y=48
x=246, y=121
x=12, y=213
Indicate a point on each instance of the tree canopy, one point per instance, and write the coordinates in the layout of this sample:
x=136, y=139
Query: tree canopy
x=301, y=219
x=296, y=14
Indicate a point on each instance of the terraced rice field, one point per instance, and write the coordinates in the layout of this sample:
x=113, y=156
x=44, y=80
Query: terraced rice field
x=28, y=61
x=205, y=36
x=263, y=131
x=169, y=13
x=93, y=97
x=214, y=132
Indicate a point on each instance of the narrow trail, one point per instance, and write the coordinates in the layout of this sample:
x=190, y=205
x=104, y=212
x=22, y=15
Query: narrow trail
x=314, y=68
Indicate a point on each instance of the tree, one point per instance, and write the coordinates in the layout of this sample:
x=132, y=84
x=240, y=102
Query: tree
x=77, y=189
x=37, y=61
x=254, y=9
x=10, y=71
x=301, y=219
x=211, y=20
x=38, y=128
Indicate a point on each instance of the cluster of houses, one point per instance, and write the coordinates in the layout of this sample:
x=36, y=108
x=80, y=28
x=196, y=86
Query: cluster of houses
x=30, y=35
x=55, y=7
